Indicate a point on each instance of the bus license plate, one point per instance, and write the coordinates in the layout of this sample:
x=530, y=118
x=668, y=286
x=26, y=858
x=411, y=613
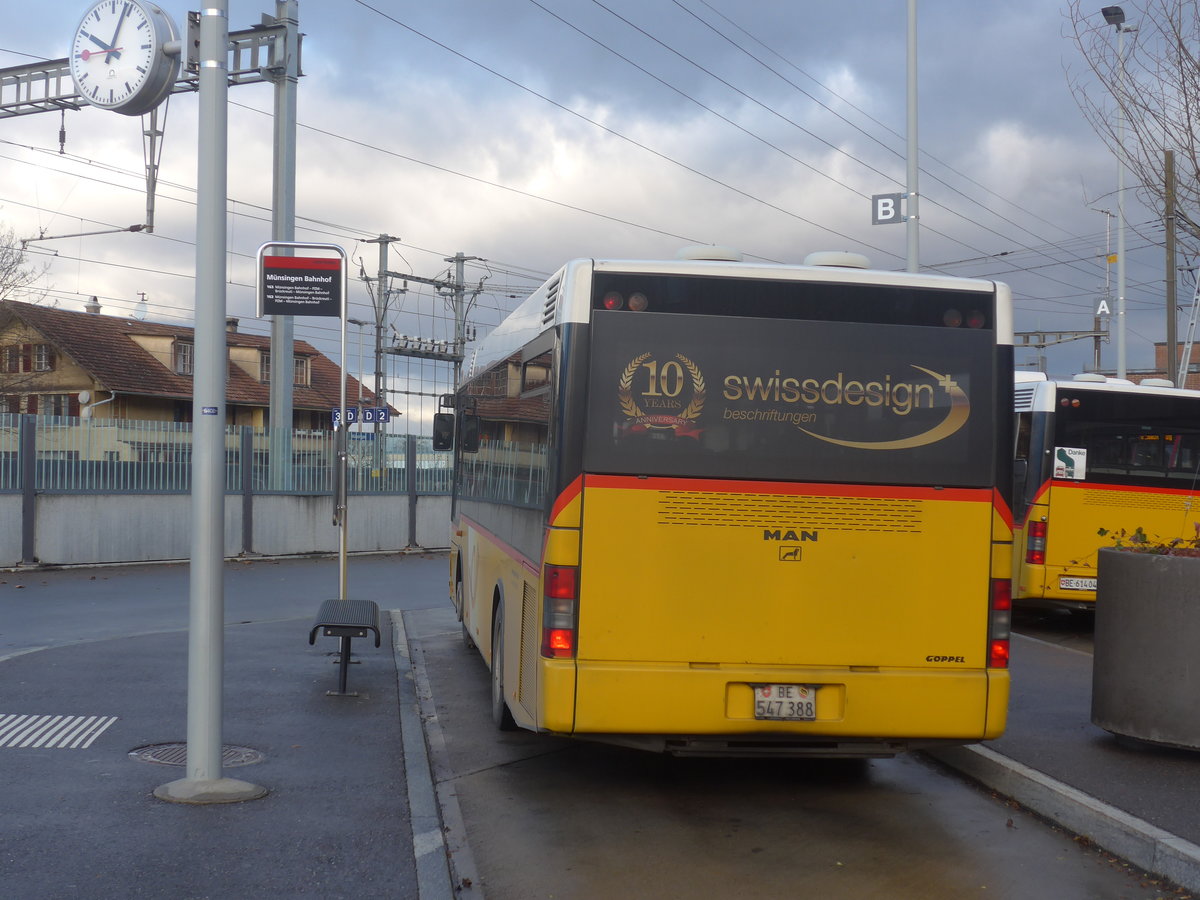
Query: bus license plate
x=785, y=702
x=1076, y=584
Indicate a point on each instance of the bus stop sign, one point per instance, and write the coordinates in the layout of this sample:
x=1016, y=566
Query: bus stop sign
x=300, y=286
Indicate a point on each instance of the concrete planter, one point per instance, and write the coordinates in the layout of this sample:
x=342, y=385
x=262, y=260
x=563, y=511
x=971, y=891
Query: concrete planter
x=1146, y=669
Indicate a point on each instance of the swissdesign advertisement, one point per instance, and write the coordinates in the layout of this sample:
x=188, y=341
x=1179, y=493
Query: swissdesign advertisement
x=740, y=397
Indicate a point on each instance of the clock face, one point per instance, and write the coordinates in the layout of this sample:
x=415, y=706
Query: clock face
x=117, y=57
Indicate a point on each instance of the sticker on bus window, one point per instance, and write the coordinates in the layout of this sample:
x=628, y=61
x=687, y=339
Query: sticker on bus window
x=1070, y=463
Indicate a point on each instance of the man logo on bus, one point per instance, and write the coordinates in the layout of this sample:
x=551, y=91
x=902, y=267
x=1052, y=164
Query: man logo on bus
x=669, y=395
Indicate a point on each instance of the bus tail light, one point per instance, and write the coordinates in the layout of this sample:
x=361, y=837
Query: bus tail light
x=1035, y=543
x=560, y=611
x=999, y=623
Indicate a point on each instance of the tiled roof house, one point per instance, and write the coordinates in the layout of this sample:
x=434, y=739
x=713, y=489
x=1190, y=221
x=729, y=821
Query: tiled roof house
x=143, y=370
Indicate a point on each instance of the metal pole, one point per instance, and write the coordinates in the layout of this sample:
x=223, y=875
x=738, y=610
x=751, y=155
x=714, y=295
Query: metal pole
x=381, y=297
x=1172, y=301
x=912, y=218
x=1121, y=368
x=460, y=273
x=283, y=228
x=343, y=438
x=152, y=148
x=203, y=783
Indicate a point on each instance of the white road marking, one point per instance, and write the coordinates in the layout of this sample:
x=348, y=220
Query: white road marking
x=59, y=732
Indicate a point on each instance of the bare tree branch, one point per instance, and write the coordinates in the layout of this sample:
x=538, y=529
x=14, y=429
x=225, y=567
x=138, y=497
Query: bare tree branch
x=15, y=270
x=1156, y=83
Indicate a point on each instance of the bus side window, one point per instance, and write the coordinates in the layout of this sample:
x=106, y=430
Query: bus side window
x=1024, y=427
x=1020, y=469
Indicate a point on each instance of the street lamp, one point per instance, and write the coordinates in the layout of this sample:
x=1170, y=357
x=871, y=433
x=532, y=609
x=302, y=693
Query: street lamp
x=1115, y=16
x=360, y=323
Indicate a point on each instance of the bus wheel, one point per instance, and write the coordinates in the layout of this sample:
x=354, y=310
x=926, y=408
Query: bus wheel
x=468, y=642
x=501, y=715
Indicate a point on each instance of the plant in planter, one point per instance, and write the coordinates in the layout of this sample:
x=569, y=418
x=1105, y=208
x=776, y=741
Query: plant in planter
x=1137, y=541
x=1146, y=669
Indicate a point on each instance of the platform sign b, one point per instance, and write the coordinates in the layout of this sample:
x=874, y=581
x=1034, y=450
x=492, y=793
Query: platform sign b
x=885, y=209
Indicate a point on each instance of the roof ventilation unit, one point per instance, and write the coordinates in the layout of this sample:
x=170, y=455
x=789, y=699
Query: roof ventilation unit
x=710, y=252
x=842, y=259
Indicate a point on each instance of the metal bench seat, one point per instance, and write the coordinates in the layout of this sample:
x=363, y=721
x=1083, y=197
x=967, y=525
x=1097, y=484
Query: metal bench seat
x=346, y=619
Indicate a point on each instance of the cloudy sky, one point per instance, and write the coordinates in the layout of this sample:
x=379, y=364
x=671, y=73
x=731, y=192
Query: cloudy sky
x=529, y=132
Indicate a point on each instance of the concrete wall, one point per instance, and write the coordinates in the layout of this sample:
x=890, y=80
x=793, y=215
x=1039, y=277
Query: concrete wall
x=89, y=529
x=10, y=529
x=433, y=522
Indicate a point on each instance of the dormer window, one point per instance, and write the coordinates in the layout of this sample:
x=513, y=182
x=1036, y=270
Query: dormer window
x=300, y=370
x=185, y=355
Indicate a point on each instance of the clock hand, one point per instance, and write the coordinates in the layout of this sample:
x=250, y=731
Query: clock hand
x=85, y=55
x=113, y=43
x=99, y=43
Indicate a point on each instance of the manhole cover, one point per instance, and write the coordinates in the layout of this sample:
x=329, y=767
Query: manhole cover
x=176, y=755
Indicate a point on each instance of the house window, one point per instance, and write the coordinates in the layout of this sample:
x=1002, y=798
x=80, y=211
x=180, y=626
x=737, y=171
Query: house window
x=21, y=358
x=300, y=369
x=54, y=404
x=184, y=357
x=43, y=358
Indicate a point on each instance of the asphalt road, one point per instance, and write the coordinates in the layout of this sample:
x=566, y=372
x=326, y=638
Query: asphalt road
x=55, y=607
x=534, y=816
x=550, y=817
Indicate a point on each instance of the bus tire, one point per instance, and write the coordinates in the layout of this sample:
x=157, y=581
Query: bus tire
x=468, y=641
x=501, y=714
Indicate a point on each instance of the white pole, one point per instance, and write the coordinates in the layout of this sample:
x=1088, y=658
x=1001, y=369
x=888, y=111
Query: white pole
x=283, y=229
x=203, y=783
x=912, y=218
x=1121, y=359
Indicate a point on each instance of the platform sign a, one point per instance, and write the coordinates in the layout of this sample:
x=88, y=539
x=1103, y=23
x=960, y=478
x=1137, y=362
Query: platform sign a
x=300, y=286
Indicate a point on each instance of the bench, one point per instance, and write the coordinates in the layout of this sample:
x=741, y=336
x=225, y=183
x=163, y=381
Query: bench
x=346, y=619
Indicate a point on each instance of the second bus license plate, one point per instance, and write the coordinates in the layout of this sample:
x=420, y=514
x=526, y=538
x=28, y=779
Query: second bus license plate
x=785, y=702
x=1076, y=584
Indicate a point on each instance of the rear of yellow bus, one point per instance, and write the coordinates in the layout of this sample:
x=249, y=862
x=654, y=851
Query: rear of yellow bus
x=786, y=535
x=1101, y=464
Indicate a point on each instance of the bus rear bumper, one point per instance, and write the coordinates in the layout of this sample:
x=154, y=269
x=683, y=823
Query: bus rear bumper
x=742, y=746
x=859, y=712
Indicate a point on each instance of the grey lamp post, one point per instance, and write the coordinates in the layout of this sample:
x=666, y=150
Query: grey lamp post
x=1115, y=16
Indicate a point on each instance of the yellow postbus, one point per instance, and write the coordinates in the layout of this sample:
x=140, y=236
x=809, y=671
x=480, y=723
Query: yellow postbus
x=1098, y=460
x=715, y=507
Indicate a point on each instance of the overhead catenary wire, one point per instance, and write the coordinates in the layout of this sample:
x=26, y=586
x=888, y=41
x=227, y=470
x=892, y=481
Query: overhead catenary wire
x=1008, y=259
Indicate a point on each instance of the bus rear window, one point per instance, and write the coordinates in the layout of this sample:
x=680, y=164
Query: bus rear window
x=705, y=396
x=816, y=301
x=1130, y=438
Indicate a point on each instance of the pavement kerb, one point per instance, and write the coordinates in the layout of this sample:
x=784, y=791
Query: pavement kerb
x=1134, y=840
x=445, y=866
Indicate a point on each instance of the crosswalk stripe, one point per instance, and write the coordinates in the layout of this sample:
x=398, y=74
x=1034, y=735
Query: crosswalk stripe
x=52, y=732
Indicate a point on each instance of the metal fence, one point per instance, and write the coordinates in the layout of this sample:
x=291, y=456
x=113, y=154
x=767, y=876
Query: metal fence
x=69, y=455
